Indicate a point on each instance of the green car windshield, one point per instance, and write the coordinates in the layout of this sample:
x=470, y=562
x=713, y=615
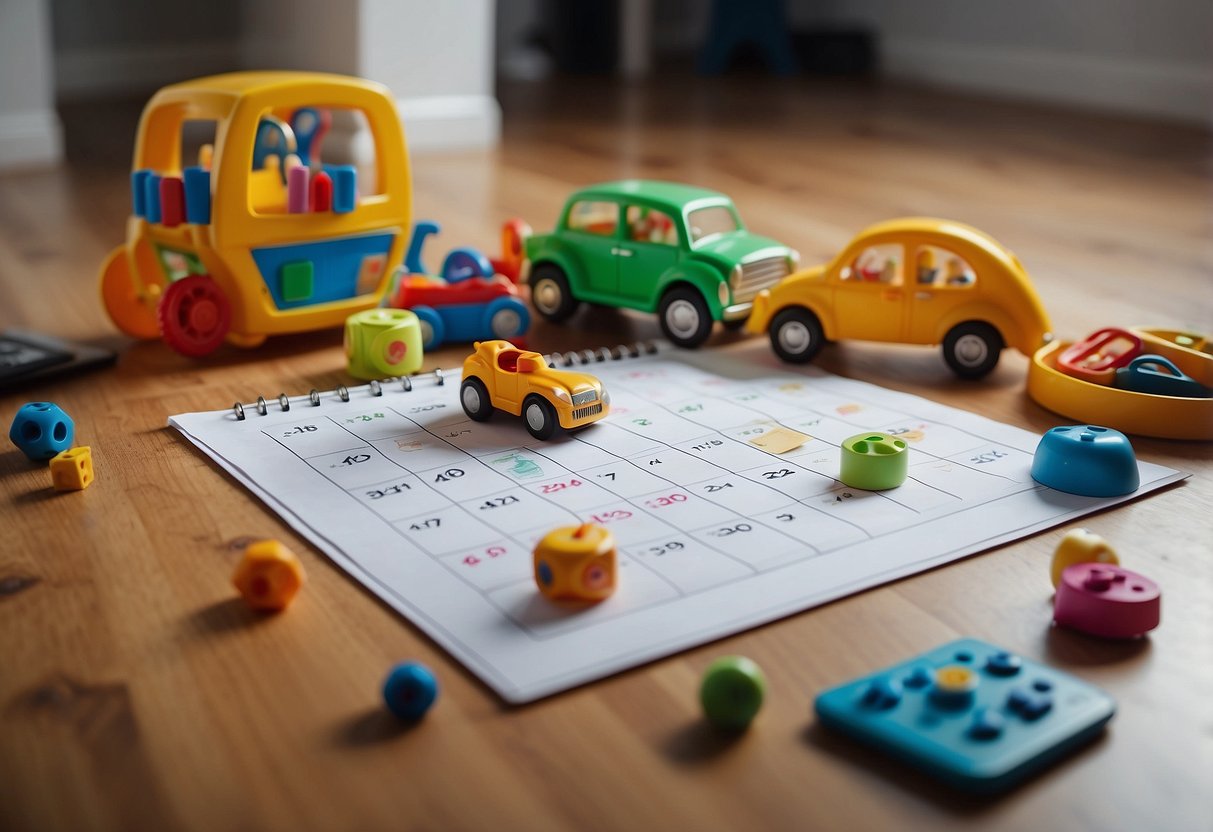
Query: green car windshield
x=703, y=223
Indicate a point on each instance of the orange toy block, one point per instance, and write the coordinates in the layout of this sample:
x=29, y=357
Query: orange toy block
x=269, y=575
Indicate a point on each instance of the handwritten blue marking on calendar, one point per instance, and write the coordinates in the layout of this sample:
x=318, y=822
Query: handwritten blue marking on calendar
x=437, y=514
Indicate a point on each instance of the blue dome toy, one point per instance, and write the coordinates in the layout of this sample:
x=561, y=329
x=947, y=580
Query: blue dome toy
x=1087, y=460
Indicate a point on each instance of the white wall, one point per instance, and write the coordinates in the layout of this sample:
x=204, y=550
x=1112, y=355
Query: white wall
x=1151, y=57
x=30, y=133
x=436, y=57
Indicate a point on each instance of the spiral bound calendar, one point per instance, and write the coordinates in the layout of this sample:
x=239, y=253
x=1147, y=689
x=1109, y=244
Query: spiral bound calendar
x=714, y=470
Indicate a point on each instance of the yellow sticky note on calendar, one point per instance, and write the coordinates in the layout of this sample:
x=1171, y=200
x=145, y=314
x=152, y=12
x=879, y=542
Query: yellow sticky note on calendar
x=780, y=440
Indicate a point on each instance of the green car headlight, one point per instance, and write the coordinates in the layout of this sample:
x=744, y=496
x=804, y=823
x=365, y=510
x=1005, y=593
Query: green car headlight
x=722, y=292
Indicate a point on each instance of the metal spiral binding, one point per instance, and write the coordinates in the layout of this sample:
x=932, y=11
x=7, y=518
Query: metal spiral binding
x=376, y=388
x=571, y=359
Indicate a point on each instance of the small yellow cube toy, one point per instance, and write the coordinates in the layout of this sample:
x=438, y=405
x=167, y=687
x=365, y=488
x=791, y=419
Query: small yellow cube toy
x=1080, y=546
x=576, y=563
x=269, y=575
x=72, y=470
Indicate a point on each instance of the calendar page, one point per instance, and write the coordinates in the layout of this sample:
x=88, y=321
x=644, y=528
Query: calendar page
x=715, y=472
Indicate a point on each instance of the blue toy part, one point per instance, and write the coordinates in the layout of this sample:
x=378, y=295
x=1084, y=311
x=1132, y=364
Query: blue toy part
x=462, y=263
x=421, y=230
x=41, y=430
x=338, y=267
x=308, y=125
x=504, y=318
x=1087, y=460
x=274, y=138
x=197, y=195
x=151, y=197
x=345, y=187
x=139, y=191
x=433, y=327
x=1021, y=718
x=409, y=690
x=1159, y=376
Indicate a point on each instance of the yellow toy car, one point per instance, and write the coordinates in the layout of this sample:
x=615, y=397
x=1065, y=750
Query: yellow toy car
x=916, y=281
x=500, y=376
x=258, y=237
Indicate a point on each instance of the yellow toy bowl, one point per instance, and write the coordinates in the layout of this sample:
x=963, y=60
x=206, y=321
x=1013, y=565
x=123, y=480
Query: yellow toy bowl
x=1144, y=414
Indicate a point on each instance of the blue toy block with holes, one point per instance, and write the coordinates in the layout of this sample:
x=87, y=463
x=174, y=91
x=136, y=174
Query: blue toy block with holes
x=972, y=714
x=41, y=430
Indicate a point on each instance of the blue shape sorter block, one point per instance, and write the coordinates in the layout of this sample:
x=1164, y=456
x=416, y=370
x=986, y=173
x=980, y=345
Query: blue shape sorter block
x=42, y=430
x=1016, y=717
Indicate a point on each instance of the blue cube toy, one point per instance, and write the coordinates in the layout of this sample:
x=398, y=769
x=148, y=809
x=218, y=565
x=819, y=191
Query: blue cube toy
x=42, y=430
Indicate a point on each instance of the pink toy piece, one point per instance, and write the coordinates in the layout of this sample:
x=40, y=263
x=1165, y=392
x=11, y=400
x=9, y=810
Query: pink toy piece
x=297, y=190
x=1107, y=601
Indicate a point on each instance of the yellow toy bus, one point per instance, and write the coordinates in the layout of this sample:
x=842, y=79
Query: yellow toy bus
x=259, y=237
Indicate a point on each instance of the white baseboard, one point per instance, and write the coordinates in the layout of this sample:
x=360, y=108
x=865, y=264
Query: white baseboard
x=30, y=138
x=82, y=73
x=437, y=123
x=451, y=122
x=1171, y=90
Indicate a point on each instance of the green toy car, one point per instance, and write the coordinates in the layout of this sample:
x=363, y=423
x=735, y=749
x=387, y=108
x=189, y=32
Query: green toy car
x=676, y=250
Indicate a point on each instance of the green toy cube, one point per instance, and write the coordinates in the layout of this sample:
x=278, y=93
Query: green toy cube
x=874, y=461
x=382, y=342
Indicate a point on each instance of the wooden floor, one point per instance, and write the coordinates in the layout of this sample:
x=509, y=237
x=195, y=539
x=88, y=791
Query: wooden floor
x=135, y=693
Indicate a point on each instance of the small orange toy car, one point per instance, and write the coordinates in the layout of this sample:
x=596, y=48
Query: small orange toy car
x=498, y=375
x=914, y=281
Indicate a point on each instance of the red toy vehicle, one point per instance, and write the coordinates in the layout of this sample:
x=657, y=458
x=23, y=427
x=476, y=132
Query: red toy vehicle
x=473, y=309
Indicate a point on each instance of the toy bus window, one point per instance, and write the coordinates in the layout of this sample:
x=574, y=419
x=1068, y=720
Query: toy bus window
x=708, y=222
x=297, y=138
x=939, y=267
x=646, y=225
x=197, y=143
x=876, y=264
x=594, y=217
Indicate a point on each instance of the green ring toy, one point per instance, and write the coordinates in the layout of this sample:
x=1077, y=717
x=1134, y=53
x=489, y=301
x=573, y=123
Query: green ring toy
x=874, y=461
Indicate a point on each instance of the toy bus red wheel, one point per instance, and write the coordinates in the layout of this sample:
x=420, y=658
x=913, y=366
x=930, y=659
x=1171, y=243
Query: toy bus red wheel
x=194, y=315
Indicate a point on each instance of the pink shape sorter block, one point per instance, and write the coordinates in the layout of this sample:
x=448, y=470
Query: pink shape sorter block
x=1107, y=601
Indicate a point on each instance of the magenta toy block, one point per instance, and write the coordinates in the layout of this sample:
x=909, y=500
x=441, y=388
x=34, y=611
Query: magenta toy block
x=296, y=189
x=1106, y=600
